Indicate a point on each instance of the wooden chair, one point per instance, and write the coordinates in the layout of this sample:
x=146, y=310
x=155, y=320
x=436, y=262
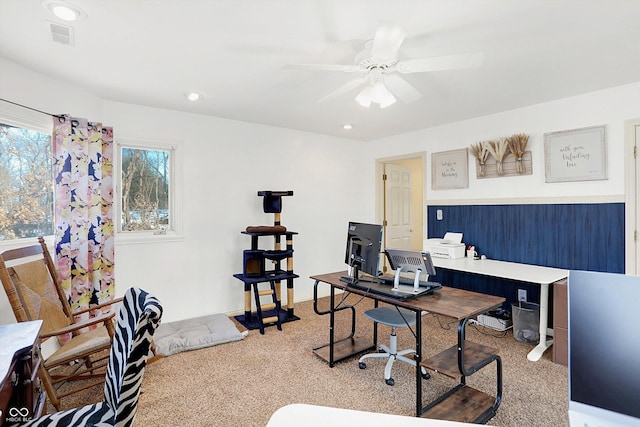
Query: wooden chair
x=31, y=283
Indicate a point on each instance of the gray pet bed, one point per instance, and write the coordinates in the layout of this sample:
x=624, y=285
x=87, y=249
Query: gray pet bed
x=191, y=334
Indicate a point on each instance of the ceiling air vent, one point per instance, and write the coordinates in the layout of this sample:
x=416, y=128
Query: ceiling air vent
x=61, y=33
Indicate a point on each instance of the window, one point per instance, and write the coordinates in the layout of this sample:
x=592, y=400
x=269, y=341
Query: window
x=26, y=184
x=147, y=204
x=147, y=183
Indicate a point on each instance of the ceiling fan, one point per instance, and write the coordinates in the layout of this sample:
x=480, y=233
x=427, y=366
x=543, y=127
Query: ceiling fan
x=378, y=66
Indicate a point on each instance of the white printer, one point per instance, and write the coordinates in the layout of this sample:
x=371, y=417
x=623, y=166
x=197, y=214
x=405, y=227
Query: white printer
x=450, y=246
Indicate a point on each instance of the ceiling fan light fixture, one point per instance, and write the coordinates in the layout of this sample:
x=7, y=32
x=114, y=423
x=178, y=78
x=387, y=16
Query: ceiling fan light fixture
x=388, y=101
x=380, y=67
x=381, y=95
x=376, y=93
x=364, y=97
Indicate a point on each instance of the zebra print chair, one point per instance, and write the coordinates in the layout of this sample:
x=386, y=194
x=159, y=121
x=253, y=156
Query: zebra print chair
x=138, y=318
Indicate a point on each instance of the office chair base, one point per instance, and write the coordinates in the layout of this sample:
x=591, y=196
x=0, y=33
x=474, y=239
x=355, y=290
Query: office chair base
x=385, y=353
x=395, y=319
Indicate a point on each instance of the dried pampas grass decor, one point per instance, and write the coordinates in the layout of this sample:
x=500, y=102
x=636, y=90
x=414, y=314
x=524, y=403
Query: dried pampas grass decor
x=517, y=145
x=498, y=150
x=481, y=153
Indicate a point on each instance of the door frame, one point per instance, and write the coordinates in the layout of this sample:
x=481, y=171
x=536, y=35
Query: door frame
x=379, y=186
x=632, y=174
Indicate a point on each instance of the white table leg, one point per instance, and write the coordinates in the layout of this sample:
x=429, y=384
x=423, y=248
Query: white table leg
x=537, y=352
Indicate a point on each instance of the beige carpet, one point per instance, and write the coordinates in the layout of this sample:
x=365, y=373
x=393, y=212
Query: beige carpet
x=243, y=383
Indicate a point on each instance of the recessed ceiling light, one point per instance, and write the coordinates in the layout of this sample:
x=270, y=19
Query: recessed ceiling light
x=64, y=10
x=347, y=126
x=193, y=96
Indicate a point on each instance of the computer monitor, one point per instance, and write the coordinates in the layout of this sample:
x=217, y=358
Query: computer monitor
x=604, y=344
x=364, y=242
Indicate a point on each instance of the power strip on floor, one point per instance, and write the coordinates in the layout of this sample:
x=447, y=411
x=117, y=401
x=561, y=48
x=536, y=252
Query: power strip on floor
x=494, y=322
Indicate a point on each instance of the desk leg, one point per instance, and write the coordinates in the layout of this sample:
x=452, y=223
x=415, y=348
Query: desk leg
x=341, y=348
x=537, y=352
x=418, y=358
x=331, y=326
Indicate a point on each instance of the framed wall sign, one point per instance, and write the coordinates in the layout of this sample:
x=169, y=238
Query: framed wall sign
x=450, y=169
x=576, y=155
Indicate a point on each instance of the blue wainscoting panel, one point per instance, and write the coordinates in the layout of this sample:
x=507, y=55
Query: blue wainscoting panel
x=587, y=236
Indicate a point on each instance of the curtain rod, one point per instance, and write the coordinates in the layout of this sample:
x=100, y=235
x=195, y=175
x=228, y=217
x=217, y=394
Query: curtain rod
x=30, y=108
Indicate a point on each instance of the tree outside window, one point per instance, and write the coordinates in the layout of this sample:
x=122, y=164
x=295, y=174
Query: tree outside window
x=145, y=189
x=26, y=184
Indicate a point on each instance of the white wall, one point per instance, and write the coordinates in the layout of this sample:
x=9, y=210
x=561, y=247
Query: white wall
x=608, y=107
x=226, y=162
x=26, y=87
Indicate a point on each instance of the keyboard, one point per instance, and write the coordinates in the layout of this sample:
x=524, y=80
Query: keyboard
x=381, y=286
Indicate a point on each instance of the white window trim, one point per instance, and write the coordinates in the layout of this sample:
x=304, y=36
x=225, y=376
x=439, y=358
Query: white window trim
x=22, y=117
x=175, y=192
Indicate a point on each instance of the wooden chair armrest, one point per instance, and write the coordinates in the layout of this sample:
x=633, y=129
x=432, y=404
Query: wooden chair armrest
x=97, y=306
x=82, y=324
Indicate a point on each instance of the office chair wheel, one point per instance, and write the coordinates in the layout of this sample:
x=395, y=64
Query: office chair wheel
x=362, y=365
x=426, y=375
x=390, y=381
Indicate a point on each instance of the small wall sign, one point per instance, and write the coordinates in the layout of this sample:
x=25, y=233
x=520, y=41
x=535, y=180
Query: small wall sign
x=576, y=155
x=450, y=169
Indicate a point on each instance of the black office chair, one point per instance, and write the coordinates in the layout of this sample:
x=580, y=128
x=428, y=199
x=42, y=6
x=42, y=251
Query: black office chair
x=396, y=318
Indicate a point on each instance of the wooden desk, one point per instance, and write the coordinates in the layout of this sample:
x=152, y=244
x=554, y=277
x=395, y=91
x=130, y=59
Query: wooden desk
x=451, y=302
x=21, y=397
x=536, y=274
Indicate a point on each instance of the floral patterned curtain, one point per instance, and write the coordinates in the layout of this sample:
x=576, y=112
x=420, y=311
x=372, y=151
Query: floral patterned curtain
x=84, y=232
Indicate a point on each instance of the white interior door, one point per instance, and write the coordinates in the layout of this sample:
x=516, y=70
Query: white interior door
x=397, y=191
x=632, y=195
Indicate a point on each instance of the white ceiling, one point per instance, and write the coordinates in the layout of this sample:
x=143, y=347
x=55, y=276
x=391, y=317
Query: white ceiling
x=152, y=52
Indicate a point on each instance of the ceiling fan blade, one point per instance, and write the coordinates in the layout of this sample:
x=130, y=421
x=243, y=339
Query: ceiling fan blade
x=325, y=67
x=387, y=41
x=344, y=89
x=438, y=63
x=403, y=90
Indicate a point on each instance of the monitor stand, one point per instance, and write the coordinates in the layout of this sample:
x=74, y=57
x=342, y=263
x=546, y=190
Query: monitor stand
x=353, y=276
x=416, y=279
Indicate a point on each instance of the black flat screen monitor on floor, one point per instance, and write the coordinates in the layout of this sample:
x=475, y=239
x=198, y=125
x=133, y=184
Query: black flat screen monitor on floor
x=604, y=344
x=364, y=242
